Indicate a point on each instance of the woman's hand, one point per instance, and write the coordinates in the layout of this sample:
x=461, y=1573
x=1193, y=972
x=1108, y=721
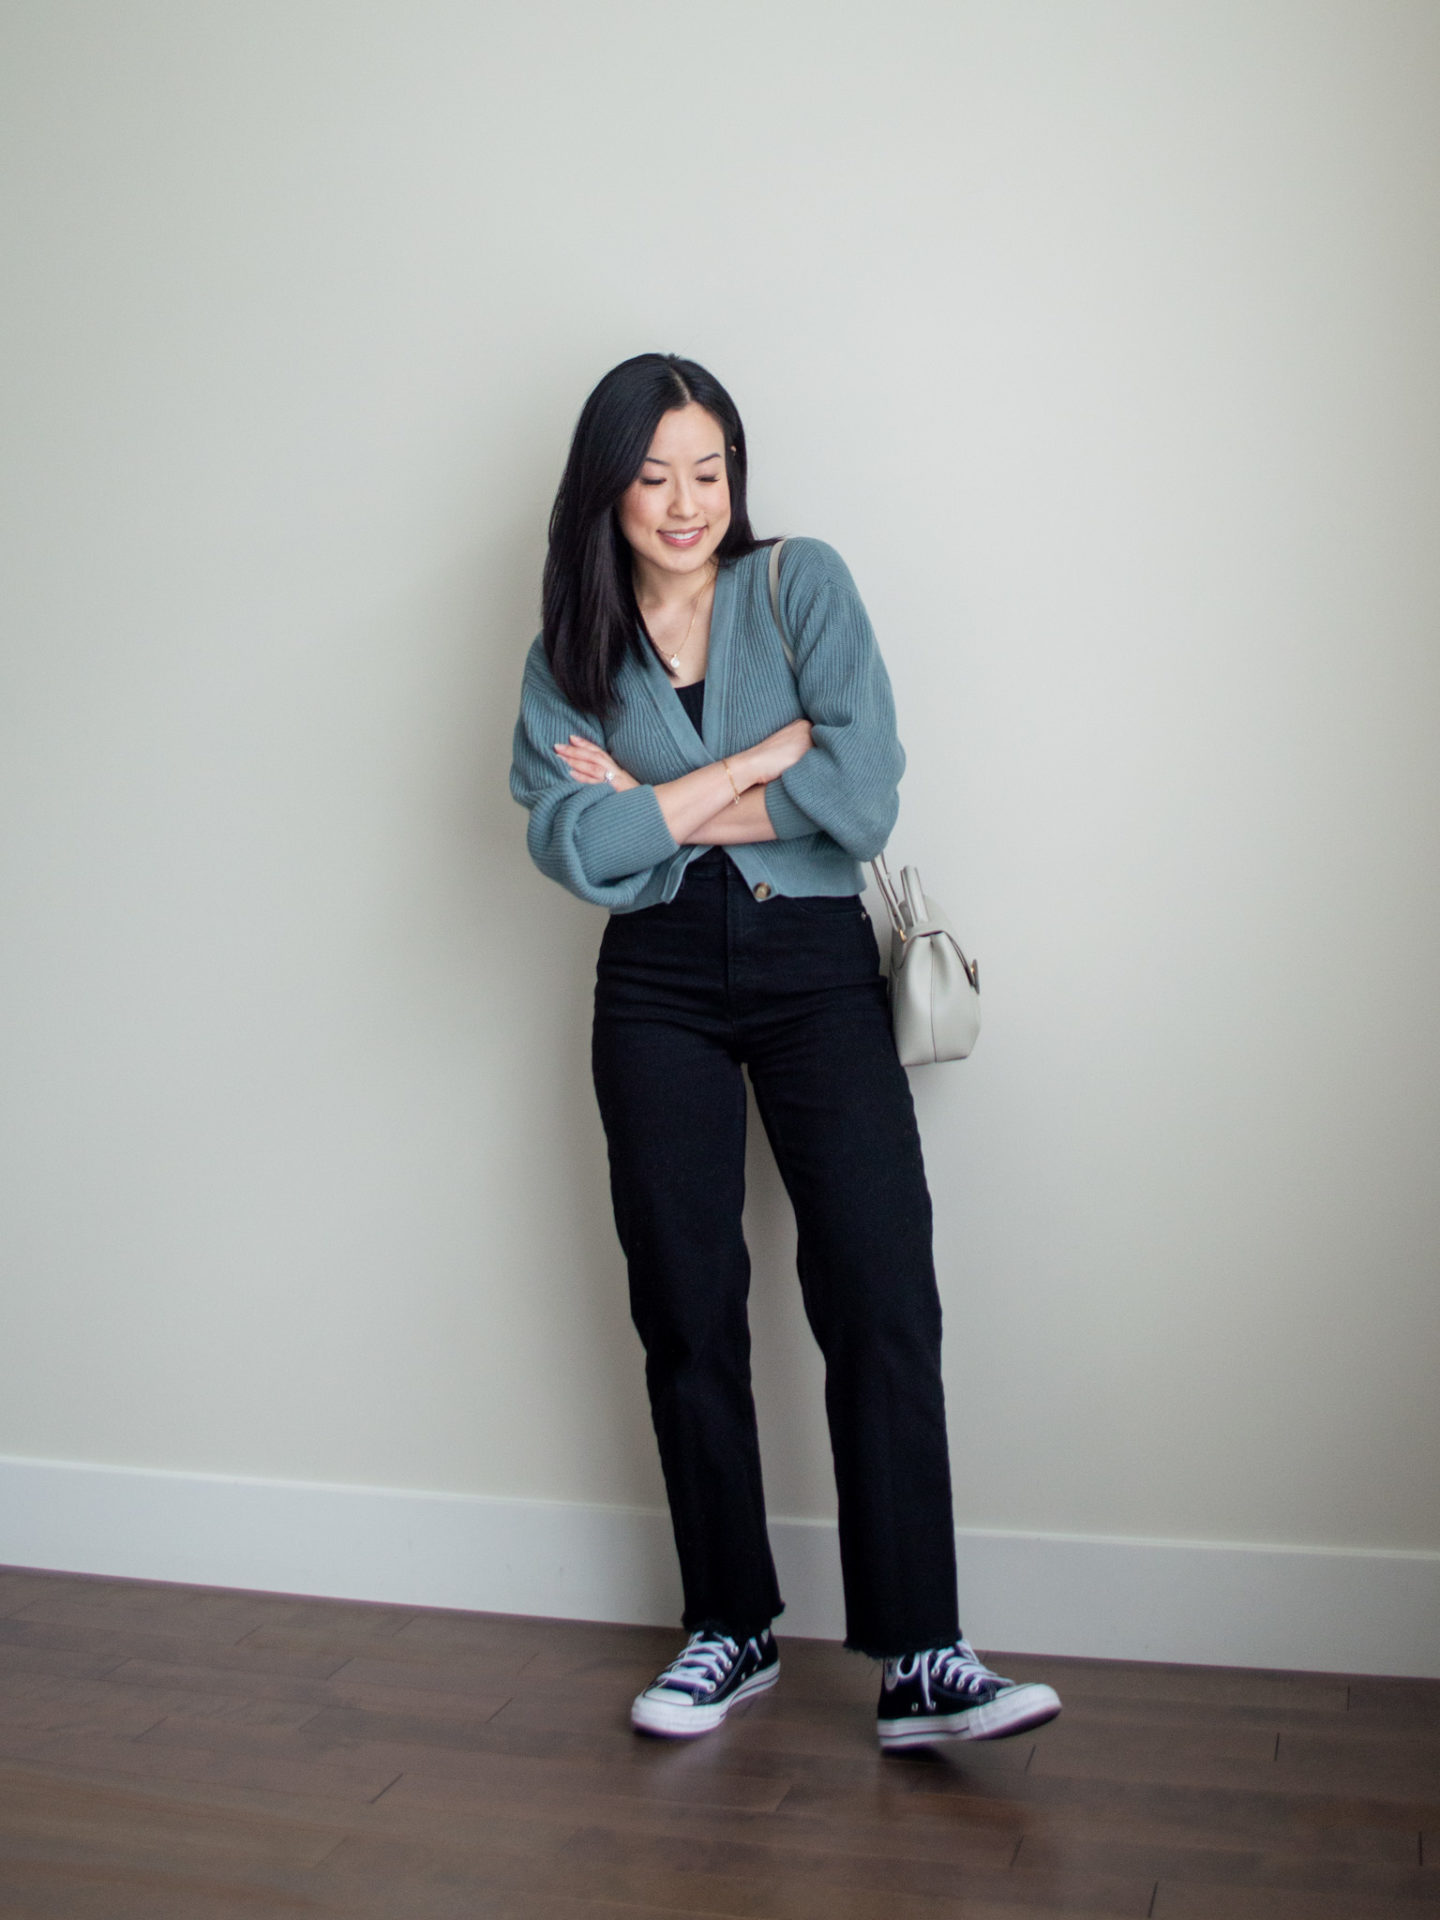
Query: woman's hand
x=773, y=755
x=591, y=763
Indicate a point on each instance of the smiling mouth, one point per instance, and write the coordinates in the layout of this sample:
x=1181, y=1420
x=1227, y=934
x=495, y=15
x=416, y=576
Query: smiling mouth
x=683, y=539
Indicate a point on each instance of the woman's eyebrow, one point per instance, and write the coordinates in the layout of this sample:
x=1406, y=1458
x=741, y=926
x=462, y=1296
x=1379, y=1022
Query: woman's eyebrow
x=651, y=461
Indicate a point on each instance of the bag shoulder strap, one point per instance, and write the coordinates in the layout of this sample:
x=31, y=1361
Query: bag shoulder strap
x=906, y=906
x=774, y=573
x=884, y=884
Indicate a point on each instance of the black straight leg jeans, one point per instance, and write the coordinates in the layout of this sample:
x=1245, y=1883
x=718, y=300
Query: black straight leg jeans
x=687, y=995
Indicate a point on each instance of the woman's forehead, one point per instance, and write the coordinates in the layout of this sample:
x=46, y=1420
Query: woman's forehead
x=687, y=433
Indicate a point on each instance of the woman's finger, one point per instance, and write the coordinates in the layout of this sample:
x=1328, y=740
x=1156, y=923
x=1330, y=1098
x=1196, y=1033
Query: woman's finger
x=591, y=756
x=589, y=768
x=579, y=768
x=590, y=763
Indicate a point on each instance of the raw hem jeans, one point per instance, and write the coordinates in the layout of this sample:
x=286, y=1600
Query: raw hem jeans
x=687, y=995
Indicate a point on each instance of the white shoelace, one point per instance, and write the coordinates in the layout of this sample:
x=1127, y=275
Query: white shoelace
x=702, y=1667
x=957, y=1669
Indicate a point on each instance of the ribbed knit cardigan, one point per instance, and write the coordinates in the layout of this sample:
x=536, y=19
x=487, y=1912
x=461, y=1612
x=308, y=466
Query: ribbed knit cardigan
x=832, y=809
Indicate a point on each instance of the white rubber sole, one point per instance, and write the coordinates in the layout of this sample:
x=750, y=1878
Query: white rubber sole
x=684, y=1723
x=1010, y=1712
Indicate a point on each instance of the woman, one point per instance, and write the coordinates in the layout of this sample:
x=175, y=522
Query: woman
x=680, y=773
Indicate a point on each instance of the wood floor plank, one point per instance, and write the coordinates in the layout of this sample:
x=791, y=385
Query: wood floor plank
x=79, y=1665
x=1106, y=1680
x=1182, y=1902
x=1243, y=1762
x=349, y=1619
x=191, y=1623
x=23, y=1721
x=195, y=1794
x=33, y=1892
x=874, y=1853
x=899, y=1808
x=432, y=1807
x=20, y=1588
x=427, y=1802
x=128, y=1643
x=82, y=1822
x=558, y=1640
x=219, y=1608
x=1215, y=1820
x=340, y=1690
x=1404, y=1763
x=717, y=1881
x=1382, y=1704
x=485, y=1674
x=1222, y=1867
x=1143, y=1744
x=665, y=1770
x=284, y=1772
x=762, y=1866
x=61, y=1702
x=1187, y=1720
x=577, y=1793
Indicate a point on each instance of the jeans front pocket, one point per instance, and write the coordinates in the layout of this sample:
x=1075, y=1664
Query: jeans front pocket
x=825, y=906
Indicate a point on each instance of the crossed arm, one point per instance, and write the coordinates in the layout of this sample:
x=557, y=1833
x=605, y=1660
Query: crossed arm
x=701, y=809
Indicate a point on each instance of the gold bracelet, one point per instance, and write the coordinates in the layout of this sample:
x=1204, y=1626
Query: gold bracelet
x=731, y=778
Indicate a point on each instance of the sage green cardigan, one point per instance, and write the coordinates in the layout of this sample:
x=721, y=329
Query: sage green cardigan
x=834, y=808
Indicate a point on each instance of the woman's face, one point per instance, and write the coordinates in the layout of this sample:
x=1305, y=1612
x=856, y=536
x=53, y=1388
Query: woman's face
x=675, y=512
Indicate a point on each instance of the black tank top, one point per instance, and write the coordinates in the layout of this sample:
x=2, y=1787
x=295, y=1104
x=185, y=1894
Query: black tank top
x=692, y=698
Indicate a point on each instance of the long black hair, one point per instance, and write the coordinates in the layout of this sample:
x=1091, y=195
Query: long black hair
x=591, y=618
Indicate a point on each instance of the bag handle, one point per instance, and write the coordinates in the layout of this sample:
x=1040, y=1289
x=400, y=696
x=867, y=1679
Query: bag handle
x=895, y=905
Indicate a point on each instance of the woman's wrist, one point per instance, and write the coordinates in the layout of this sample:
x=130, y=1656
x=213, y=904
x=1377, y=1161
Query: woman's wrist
x=738, y=824
x=740, y=770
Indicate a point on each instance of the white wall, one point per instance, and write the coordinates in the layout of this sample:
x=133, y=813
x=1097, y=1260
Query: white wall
x=1099, y=336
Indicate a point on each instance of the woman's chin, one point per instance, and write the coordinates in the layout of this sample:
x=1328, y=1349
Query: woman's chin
x=676, y=557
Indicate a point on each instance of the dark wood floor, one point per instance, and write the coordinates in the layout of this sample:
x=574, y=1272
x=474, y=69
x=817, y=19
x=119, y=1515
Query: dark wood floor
x=179, y=1753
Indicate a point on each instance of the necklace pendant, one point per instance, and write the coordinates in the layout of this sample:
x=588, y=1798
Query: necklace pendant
x=674, y=663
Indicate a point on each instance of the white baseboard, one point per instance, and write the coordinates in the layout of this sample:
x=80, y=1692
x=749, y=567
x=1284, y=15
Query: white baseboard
x=1338, y=1611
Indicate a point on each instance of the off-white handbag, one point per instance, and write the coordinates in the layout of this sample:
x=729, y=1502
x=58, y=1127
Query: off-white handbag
x=934, y=989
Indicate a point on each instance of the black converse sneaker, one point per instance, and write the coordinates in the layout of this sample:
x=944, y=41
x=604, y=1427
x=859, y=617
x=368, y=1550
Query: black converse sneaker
x=948, y=1693
x=697, y=1690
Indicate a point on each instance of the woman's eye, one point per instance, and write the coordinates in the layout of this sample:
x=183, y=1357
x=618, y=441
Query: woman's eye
x=651, y=483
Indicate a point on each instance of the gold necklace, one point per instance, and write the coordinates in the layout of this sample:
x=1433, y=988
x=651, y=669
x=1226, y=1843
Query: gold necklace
x=673, y=659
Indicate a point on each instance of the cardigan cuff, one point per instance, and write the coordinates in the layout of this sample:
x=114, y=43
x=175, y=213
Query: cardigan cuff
x=623, y=833
x=789, y=820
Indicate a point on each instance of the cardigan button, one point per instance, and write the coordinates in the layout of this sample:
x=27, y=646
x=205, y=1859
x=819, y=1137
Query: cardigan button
x=764, y=890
